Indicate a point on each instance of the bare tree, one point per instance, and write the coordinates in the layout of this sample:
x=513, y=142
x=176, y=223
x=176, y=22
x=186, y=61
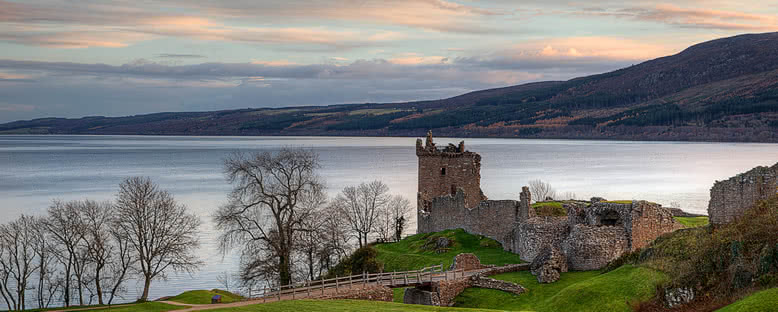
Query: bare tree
x=162, y=234
x=392, y=219
x=541, y=190
x=48, y=284
x=566, y=196
x=18, y=260
x=335, y=239
x=272, y=196
x=400, y=210
x=362, y=206
x=108, y=256
x=64, y=223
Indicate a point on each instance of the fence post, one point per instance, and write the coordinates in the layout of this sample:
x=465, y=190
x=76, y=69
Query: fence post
x=293, y=291
x=322, y=287
x=336, y=284
x=279, y=293
x=364, y=280
x=405, y=275
x=309, y=288
x=392, y=282
x=264, y=294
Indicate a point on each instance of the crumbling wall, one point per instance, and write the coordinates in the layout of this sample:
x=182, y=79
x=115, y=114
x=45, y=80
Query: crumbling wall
x=490, y=218
x=649, y=221
x=448, y=290
x=467, y=262
x=592, y=247
x=729, y=199
x=533, y=235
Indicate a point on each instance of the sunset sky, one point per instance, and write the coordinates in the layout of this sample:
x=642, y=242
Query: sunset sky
x=88, y=57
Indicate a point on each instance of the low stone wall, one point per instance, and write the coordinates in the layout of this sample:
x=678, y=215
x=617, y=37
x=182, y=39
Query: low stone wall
x=490, y=283
x=592, y=247
x=506, y=269
x=373, y=293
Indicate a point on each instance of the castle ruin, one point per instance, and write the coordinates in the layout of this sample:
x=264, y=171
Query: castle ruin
x=729, y=199
x=591, y=235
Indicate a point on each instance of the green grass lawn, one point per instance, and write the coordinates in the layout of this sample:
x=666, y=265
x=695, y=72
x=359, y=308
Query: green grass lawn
x=575, y=291
x=763, y=301
x=150, y=306
x=692, y=222
x=409, y=253
x=549, y=209
x=204, y=296
x=341, y=306
x=399, y=294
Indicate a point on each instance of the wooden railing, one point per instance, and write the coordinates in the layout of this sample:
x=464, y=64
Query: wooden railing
x=318, y=288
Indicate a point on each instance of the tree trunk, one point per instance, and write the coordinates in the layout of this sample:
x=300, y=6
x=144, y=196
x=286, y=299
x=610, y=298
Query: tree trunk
x=97, y=286
x=146, y=286
x=284, y=270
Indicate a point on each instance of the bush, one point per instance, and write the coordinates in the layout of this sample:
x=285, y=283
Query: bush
x=362, y=260
x=723, y=261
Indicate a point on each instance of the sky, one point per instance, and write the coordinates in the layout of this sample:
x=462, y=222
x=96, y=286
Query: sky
x=74, y=58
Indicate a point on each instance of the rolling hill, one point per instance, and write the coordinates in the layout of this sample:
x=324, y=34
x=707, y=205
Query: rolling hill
x=720, y=90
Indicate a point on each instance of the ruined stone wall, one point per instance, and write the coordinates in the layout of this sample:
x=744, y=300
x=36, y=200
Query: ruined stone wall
x=649, y=221
x=490, y=218
x=467, y=262
x=373, y=293
x=490, y=283
x=443, y=171
x=534, y=234
x=592, y=247
x=729, y=199
x=448, y=290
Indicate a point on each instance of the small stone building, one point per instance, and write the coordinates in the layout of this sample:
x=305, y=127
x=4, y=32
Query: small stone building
x=591, y=235
x=730, y=198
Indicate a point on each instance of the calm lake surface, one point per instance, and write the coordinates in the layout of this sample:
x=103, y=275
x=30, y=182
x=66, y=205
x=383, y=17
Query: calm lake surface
x=34, y=170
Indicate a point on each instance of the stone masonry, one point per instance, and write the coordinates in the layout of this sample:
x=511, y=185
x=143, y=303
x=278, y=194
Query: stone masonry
x=491, y=218
x=591, y=235
x=443, y=171
x=729, y=199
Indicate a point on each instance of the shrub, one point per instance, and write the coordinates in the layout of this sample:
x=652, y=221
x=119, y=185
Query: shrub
x=362, y=260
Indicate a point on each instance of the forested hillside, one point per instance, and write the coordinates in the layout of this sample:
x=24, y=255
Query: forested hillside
x=721, y=90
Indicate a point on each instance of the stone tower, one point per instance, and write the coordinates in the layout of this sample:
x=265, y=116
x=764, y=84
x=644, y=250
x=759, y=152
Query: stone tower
x=443, y=171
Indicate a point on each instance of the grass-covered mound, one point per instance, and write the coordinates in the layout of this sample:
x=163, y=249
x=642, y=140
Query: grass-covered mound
x=204, y=296
x=763, y=301
x=341, y=306
x=720, y=263
x=419, y=251
x=575, y=291
x=692, y=222
x=549, y=209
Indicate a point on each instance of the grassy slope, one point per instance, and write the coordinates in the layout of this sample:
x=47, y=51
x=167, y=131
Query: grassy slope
x=692, y=222
x=576, y=291
x=409, y=253
x=204, y=296
x=146, y=306
x=341, y=305
x=763, y=301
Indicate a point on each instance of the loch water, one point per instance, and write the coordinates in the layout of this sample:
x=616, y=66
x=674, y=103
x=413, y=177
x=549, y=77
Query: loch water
x=34, y=170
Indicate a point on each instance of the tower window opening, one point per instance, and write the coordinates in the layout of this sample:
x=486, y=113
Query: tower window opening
x=443, y=171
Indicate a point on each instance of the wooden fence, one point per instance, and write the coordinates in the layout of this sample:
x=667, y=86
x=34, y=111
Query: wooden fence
x=318, y=288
